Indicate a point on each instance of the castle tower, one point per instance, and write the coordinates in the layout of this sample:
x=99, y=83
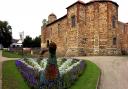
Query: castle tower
x=101, y=18
x=73, y=48
x=51, y=18
x=96, y=28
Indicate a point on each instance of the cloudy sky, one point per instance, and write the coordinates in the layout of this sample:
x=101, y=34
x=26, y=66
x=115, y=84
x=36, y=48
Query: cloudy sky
x=27, y=15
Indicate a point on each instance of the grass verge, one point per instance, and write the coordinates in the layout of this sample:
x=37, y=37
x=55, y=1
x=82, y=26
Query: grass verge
x=89, y=78
x=12, y=79
x=10, y=54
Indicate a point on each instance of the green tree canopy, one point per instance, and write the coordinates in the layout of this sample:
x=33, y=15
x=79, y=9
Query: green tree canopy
x=44, y=22
x=5, y=34
x=29, y=42
x=37, y=42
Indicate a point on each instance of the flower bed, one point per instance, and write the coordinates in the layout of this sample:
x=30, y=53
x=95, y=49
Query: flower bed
x=33, y=72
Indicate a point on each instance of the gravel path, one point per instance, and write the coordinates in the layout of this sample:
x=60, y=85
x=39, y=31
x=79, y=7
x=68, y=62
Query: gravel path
x=114, y=71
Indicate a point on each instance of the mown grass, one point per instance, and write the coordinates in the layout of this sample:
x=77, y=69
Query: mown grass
x=89, y=78
x=10, y=54
x=12, y=79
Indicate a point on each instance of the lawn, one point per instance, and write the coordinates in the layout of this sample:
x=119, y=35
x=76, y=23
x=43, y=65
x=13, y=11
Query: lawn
x=10, y=54
x=89, y=78
x=12, y=79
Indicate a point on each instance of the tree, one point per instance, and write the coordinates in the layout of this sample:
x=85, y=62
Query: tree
x=44, y=22
x=27, y=41
x=5, y=34
x=37, y=42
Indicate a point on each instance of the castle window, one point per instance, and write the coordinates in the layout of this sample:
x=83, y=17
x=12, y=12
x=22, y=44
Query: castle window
x=73, y=20
x=113, y=21
x=114, y=41
x=51, y=32
x=65, y=40
x=58, y=28
x=47, y=43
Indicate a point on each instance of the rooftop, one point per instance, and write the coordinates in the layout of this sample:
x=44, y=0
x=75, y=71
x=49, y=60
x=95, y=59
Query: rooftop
x=83, y=3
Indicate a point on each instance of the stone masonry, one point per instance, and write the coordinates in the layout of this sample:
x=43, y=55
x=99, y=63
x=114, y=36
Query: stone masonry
x=87, y=29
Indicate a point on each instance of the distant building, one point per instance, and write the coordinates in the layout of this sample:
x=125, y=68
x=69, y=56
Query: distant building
x=16, y=43
x=87, y=29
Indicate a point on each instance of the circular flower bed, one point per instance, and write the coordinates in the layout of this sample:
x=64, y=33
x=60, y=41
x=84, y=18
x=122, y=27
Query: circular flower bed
x=33, y=71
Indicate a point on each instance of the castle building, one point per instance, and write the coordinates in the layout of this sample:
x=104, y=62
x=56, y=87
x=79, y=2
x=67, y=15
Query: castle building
x=87, y=29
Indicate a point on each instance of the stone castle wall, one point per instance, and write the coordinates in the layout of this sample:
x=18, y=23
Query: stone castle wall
x=123, y=30
x=95, y=29
x=72, y=33
x=56, y=32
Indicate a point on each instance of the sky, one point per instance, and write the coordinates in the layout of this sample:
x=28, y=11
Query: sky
x=27, y=15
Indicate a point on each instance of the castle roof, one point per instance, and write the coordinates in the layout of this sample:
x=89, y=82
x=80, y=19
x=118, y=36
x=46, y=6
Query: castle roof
x=52, y=14
x=101, y=1
x=79, y=1
x=83, y=3
x=57, y=20
x=92, y=1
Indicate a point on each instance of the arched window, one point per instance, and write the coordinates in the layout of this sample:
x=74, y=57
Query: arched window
x=47, y=43
x=73, y=21
x=51, y=32
x=58, y=28
x=114, y=41
x=113, y=21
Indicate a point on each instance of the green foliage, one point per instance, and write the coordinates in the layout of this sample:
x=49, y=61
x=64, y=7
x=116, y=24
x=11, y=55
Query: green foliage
x=89, y=78
x=37, y=42
x=29, y=42
x=12, y=78
x=5, y=34
x=44, y=22
x=10, y=54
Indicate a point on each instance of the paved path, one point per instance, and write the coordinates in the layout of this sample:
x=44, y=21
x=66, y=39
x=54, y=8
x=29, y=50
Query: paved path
x=114, y=71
